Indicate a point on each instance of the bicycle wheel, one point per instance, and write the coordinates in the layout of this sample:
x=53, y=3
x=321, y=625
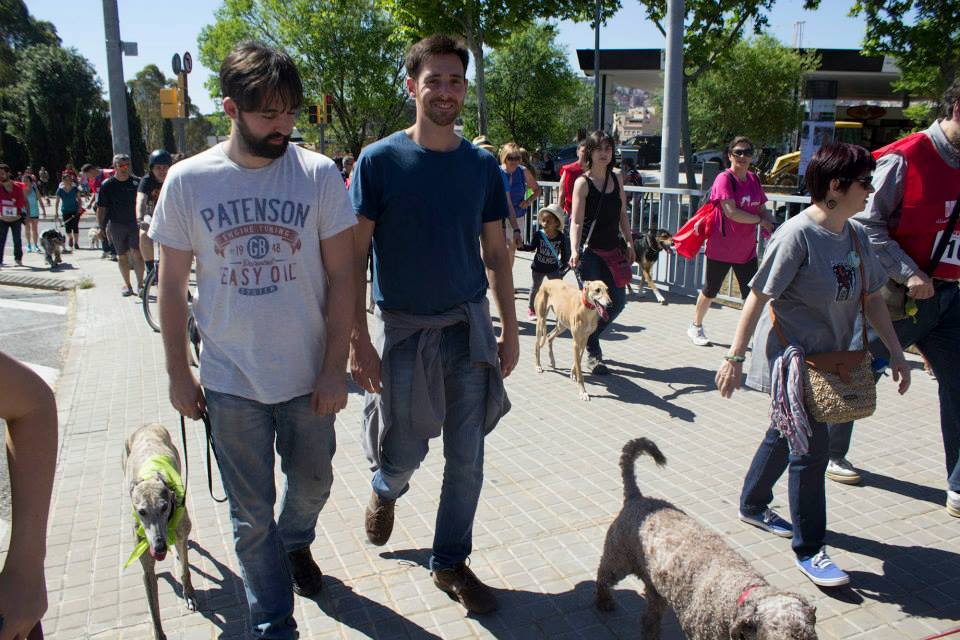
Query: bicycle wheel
x=150, y=310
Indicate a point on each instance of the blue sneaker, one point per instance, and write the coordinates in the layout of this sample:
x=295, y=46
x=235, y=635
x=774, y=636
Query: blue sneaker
x=821, y=570
x=769, y=521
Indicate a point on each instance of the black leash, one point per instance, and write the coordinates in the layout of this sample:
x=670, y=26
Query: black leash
x=210, y=447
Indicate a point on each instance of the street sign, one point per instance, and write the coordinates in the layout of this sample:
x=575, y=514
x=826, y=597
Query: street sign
x=176, y=64
x=187, y=62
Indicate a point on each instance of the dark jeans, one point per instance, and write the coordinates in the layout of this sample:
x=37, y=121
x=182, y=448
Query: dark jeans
x=592, y=267
x=936, y=333
x=14, y=227
x=808, y=498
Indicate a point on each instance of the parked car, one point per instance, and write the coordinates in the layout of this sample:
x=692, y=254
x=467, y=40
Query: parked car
x=644, y=149
x=708, y=155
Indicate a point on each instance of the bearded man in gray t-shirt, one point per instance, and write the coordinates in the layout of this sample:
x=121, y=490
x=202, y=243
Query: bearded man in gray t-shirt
x=269, y=225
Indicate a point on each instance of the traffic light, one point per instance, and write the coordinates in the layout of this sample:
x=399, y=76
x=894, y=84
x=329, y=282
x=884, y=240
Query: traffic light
x=313, y=113
x=170, y=103
x=328, y=109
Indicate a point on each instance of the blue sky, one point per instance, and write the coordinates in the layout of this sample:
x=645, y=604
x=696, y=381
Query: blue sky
x=162, y=28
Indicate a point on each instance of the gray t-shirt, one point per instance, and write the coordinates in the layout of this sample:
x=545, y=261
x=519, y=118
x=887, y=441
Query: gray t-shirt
x=812, y=275
x=261, y=284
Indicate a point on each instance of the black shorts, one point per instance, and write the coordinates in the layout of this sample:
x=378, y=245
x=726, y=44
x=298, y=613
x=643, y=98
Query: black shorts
x=717, y=271
x=71, y=222
x=124, y=237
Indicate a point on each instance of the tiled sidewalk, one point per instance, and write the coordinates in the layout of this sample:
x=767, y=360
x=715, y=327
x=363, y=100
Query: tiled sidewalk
x=552, y=487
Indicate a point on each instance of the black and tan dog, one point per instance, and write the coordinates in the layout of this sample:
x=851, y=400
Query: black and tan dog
x=647, y=246
x=52, y=242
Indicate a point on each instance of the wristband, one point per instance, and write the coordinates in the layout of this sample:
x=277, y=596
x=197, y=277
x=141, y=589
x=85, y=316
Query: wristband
x=737, y=359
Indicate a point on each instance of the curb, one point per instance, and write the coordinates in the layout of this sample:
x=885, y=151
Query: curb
x=35, y=282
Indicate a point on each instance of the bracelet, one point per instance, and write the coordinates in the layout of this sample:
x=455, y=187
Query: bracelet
x=737, y=359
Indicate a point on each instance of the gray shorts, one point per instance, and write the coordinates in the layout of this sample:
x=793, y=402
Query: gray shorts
x=124, y=237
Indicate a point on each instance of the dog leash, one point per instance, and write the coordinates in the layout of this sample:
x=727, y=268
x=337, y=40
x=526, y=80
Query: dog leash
x=210, y=447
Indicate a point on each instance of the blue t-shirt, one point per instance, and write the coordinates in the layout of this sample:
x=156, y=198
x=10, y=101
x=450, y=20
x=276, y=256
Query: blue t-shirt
x=516, y=187
x=69, y=200
x=429, y=208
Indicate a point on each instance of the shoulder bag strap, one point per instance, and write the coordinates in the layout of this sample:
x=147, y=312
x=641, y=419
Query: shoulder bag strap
x=553, y=251
x=863, y=287
x=945, y=239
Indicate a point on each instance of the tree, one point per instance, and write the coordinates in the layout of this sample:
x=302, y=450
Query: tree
x=486, y=23
x=145, y=94
x=55, y=110
x=924, y=38
x=722, y=106
x=712, y=28
x=348, y=49
x=534, y=97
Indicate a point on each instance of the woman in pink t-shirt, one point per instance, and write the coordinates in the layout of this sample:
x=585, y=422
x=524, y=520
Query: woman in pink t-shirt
x=733, y=242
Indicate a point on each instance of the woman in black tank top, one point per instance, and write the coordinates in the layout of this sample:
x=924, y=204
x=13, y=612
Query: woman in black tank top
x=599, y=202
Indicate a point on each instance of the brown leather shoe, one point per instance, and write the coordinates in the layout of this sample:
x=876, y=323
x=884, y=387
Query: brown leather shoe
x=305, y=572
x=462, y=585
x=378, y=519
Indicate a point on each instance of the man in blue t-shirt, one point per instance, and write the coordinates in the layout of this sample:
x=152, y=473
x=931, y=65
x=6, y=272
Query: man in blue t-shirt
x=429, y=201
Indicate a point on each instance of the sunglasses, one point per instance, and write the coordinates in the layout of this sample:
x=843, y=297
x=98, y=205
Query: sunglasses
x=743, y=152
x=865, y=181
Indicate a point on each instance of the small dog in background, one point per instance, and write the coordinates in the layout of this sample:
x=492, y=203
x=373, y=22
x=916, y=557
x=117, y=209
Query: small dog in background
x=151, y=466
x=93, y=235
x=52, y=242
x=647, y=246
x=684, y=565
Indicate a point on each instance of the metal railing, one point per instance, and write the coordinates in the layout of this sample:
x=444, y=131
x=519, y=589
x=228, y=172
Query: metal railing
x=663, y=208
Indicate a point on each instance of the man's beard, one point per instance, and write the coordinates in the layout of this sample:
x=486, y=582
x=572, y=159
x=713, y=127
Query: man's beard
x=442, y=118
x=261, y=147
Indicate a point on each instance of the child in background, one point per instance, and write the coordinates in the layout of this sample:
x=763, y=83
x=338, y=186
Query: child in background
x=552, y=251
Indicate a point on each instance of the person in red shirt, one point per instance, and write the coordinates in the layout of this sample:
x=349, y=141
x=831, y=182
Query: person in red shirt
x=12, y=206
x=568, y=175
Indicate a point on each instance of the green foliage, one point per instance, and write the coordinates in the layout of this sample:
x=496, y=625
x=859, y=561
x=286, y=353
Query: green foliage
x=349, y=49
x=486, y=23
x=765, y=108
x=923, y=36
x=534, y=97
x=55, y=110
x=145, y=94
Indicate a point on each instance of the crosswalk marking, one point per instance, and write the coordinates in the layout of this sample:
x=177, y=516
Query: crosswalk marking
x=22, y=305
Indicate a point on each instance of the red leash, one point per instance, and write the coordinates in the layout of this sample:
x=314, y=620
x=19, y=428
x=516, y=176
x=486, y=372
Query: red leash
x=942, y=635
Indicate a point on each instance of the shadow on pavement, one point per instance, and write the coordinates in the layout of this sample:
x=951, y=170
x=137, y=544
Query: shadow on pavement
x=223, y=605
x=903, y=487
x=533, y=614
x=920, y=580
x=683, y=380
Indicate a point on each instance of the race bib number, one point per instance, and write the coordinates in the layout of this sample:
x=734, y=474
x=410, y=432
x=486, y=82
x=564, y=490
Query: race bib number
x=9, y=213
x=951, y=254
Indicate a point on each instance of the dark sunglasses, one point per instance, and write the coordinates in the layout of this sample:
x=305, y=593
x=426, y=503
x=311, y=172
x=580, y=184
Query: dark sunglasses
x=743, y=152
x=865, y=181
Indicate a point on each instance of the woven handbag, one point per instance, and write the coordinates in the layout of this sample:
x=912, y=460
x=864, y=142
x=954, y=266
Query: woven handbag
x=838, y=386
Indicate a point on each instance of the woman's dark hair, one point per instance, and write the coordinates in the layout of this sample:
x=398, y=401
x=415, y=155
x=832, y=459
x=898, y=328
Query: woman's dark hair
x=836, y=160
x=593, y=142
x=438, y=44
x=739, y=140
x=253, y=75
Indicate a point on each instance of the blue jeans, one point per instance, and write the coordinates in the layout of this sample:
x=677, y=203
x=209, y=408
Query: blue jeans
x=244, y=433
x=808, y=498
x=937, y=334
x=592, y=267
x=465, y=386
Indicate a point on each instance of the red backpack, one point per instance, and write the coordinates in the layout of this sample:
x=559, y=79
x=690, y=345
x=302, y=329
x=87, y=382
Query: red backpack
x=691, y=236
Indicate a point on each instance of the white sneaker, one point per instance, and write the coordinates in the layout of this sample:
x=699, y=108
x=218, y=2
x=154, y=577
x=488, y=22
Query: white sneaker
x=697, y=336
x=953, y=503
x=842, y=471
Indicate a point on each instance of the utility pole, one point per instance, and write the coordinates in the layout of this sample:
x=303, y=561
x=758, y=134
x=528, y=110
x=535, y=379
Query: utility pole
x=119, y=126
x=672, y=95
x=597, y=116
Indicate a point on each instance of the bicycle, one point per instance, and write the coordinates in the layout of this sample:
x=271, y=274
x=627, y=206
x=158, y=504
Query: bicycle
x=153, y=317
